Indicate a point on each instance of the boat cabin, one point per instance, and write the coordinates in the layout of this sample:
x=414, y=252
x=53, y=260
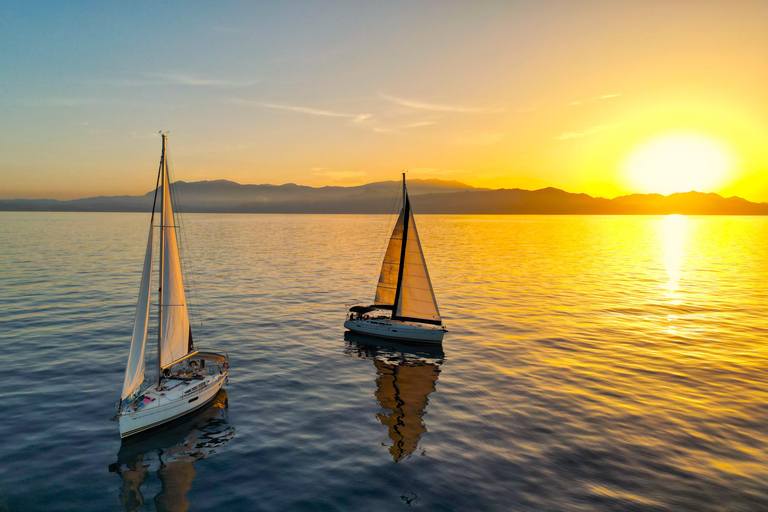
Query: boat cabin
x=369, y=312
x=196, y=365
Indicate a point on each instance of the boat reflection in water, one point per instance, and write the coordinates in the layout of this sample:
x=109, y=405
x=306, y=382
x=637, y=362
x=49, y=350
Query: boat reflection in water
x=405, y=376
x=172, y=452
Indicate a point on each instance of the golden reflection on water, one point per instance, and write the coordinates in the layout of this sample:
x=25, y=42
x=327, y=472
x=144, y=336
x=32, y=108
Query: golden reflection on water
x=405, y=377
x=674, y=234
x=176, y=450
x=639, y=317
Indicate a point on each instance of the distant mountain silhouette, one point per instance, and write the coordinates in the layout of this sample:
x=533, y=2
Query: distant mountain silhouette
x=429, y=196
x=555, y=201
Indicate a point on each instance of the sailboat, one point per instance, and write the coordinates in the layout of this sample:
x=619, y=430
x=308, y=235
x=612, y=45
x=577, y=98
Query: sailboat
x=404, y=307
x=187, y=378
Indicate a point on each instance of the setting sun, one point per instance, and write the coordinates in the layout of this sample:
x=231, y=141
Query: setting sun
x=678, y=162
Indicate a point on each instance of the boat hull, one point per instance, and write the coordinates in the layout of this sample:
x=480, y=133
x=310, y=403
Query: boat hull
x=170, y=406
x=396, y=330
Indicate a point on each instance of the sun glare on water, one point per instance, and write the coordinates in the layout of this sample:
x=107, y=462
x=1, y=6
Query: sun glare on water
x=678, y=162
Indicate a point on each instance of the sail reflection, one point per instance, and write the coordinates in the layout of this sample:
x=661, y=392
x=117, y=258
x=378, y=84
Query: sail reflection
x=405, y=376
x=172, y=453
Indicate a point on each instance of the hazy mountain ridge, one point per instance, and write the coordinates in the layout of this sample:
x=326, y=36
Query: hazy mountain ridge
x=428, y=196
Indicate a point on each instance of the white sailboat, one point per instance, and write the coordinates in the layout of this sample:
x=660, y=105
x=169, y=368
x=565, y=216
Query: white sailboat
x=187, y=378
x=405, y=307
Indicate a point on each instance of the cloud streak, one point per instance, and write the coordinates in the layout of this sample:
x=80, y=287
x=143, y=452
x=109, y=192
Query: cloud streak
x=431, y=107
x=589, y=131
x=183, y=80
x=356, y=118
x=392, y=129
x=596, y=98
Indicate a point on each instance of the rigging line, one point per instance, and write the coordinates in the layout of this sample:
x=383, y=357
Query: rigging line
x=189, y=278
x=184, y=259
x=193, y=306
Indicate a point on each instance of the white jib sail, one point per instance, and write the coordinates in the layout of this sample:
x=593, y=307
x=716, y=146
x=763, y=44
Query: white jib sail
x=134, y=372
x=387, y=286
x=417, y=299
x=175, y=319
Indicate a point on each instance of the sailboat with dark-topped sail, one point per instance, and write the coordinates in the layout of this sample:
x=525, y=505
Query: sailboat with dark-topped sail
x=405, y=307
x=187, y=378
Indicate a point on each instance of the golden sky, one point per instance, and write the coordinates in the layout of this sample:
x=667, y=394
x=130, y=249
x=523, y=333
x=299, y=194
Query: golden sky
x=601, y=97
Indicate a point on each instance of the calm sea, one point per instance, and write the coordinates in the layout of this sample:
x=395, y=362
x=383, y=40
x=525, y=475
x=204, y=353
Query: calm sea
x=592, y=363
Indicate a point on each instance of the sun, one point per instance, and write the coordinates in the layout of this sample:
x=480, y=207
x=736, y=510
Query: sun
x=678, y=162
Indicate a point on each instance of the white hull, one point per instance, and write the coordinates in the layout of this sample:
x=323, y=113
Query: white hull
x=397, y=330
x=177, y=398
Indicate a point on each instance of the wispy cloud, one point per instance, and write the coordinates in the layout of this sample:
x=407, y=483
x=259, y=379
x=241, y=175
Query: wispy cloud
x=178, y=79
x=432, y=107
x=408, y=126
x=181, y=79
x=589, y=131
x=418, y=124
x=356, y=118
x=596, y=98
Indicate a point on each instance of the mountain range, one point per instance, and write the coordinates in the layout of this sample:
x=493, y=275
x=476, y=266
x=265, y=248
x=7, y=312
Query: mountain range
x=428, y=196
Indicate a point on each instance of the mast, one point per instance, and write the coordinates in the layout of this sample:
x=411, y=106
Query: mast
x=163, y=165
x=406, y=216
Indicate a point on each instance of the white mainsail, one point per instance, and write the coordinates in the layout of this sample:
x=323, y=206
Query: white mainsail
x=387, y=287
x=175, y=335
x=134, y=372
x=417, y=299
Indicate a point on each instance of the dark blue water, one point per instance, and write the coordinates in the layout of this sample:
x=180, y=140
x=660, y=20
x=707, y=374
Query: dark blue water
x=592, y=363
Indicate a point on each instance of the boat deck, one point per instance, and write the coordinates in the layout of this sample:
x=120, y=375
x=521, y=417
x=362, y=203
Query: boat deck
x=174, y=388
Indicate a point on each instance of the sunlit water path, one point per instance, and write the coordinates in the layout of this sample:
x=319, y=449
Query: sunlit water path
x=592, y=363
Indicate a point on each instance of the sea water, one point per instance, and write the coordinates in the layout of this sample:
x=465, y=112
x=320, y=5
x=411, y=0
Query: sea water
x=592, y=363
